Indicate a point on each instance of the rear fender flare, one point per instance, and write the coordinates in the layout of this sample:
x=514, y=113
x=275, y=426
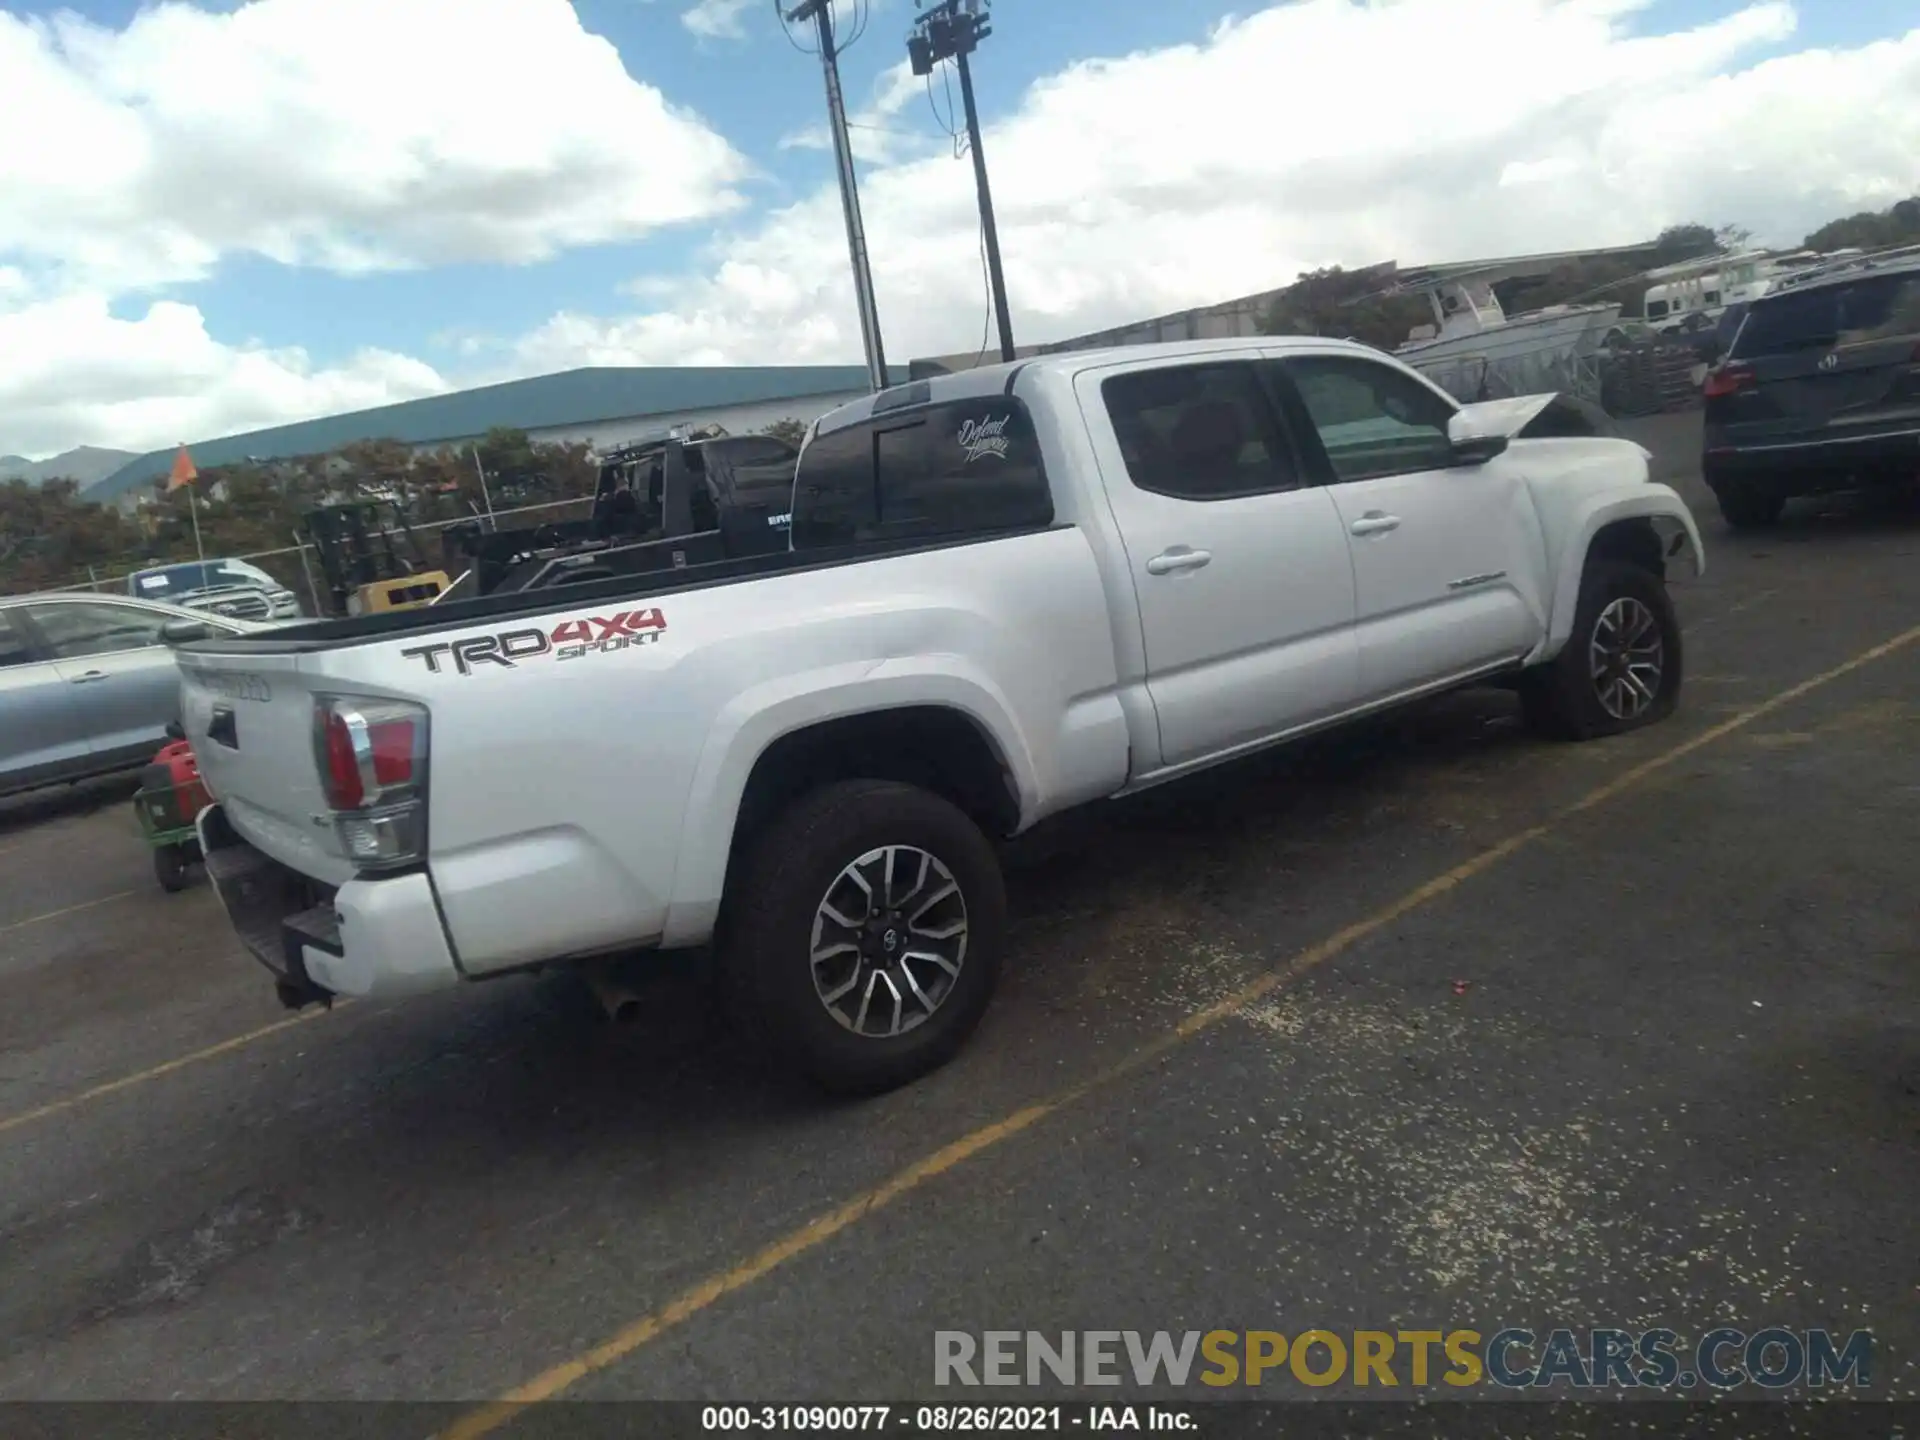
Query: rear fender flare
x=754, y=719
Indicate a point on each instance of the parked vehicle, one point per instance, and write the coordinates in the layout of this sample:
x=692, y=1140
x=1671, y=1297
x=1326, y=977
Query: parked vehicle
x=224, y=587
x=1820, y=391
x=370, y=559
x=87, y=683
x=171, y=795
x=661, y=504
x=1007, y=592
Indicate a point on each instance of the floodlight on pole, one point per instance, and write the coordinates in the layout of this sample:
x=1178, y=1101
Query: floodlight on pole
x=952, y=30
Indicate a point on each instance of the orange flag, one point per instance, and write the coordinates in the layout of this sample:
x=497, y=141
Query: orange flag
x=183, y=472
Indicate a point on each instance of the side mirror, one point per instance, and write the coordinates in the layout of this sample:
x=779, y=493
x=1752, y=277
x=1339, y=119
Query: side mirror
x=185, y=632
x=1471, y=444
x=175, y=730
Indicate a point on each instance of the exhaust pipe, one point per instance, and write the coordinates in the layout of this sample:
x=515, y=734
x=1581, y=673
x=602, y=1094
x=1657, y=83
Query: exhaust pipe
x=621, y=1002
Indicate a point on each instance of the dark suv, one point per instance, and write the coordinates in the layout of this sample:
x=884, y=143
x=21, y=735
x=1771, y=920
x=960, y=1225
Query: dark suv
x=1820, y=391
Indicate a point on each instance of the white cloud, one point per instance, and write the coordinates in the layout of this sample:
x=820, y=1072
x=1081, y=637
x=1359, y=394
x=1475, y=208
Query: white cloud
x=71, y=372
x=350, y=134
x=877, y=133
x=717, y=19
x=724, y=19
x=1323, y=132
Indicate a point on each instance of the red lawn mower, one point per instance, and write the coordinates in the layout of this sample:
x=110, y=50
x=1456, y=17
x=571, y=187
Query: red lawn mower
x=170, y=799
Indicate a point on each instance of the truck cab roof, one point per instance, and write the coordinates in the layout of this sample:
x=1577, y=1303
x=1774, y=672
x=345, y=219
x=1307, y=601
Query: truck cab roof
x=1000, y=378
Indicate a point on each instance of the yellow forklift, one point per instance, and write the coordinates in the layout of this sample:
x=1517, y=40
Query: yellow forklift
x=370, y=558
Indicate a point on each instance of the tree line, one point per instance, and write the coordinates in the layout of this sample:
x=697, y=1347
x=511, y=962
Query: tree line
x=51, y=538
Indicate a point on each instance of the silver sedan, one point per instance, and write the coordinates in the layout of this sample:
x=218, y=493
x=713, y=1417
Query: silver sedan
x=88, y=683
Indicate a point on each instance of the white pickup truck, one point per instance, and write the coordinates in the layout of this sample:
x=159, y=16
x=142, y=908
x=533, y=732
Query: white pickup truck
x=1006, y=592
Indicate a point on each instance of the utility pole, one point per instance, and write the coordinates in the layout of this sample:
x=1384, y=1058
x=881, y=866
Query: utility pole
x=953, y=30
x=821, y=13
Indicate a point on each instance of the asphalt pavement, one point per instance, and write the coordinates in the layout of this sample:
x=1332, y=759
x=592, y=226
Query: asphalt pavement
x=1430, y=1026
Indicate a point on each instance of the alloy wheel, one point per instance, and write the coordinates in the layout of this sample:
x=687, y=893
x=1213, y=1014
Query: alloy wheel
x=1626, y=658
x=889, y=941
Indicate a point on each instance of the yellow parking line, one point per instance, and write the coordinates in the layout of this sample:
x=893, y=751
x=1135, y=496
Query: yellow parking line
x=563, y=1376
x=141, y=1077
x=67, y=910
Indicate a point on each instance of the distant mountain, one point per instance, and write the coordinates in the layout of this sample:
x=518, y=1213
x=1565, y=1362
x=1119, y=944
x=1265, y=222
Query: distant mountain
x=86, y=464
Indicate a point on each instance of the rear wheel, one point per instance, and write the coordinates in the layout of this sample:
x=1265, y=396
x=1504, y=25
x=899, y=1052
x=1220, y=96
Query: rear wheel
x=1744, y=508
x=863, y=934
x=1620, y=668
x=170, y=867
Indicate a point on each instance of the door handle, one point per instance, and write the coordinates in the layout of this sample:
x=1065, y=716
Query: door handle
x=1180, y=557
x=1375, y=522
x=88, y=677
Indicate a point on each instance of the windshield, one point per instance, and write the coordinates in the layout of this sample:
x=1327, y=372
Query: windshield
x=1877, y=307
x=170, y=582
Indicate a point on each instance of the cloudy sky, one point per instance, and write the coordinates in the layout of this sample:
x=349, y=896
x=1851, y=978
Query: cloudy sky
x=221, y=215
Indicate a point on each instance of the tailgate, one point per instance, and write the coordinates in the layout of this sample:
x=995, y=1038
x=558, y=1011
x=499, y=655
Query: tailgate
x=249, y=718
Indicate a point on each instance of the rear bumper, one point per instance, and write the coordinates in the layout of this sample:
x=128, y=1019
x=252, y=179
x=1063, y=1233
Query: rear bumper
x=370, y=938
x=1893, y=454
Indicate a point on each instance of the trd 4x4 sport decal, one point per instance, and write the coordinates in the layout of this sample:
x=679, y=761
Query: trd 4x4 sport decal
x=569, y=640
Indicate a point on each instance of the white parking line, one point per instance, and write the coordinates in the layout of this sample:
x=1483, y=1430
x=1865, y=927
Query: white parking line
x=66, y=910
x=1746, y=604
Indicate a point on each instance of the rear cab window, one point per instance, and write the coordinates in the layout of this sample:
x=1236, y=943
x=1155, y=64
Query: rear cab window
x=957, y=468
x=1872, y=309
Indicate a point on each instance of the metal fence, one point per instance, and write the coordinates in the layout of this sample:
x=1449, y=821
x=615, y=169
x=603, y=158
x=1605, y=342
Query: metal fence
x=1634, y=377
x=278, y=560
x=1473, y=378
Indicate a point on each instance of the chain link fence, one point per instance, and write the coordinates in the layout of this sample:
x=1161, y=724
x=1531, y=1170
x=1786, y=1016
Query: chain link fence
x=295, y=567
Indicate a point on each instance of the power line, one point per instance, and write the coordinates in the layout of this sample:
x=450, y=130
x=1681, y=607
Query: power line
x=986, y=284
x=954, y=133
x=862, y=13
x=780, y=18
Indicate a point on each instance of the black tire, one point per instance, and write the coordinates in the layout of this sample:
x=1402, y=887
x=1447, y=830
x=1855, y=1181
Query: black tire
x=170, y=868
x=1562, y=699
x=1744, y=508
x=766, y=932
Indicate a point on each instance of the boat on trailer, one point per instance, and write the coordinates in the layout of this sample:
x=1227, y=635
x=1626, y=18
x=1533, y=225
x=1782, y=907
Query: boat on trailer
x=1476, y=351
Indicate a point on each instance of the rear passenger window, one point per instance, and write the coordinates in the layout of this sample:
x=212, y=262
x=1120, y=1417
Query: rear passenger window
x=75, y=631
x=13, y=645
x=1199, y=432
x=960, y=468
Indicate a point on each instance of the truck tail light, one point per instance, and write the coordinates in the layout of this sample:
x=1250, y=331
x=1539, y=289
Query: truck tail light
x=372, y=757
